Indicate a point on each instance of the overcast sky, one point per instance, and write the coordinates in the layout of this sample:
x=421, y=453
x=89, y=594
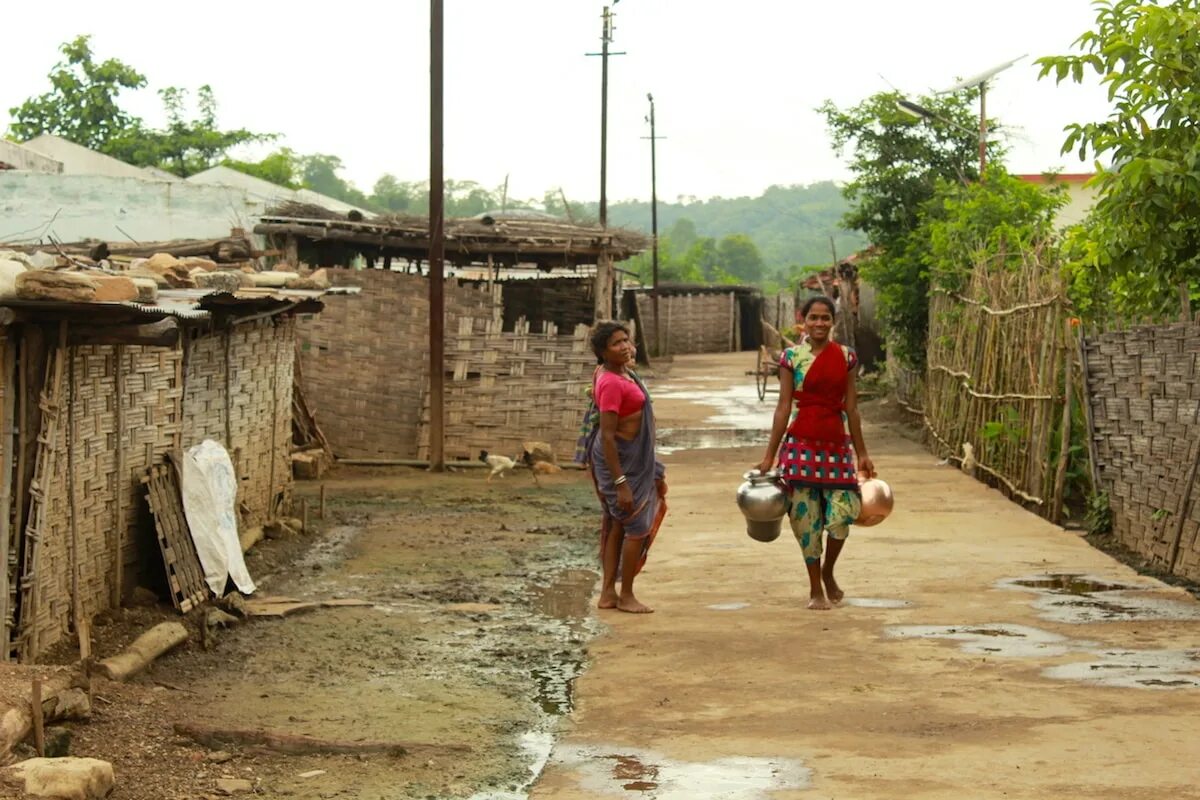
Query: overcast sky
x=735, y=83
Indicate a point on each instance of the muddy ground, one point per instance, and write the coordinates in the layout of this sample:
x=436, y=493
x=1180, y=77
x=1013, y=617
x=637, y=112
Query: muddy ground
x=478, y=624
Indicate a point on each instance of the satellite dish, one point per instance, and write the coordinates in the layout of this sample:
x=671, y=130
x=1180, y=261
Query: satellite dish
x=982, y=77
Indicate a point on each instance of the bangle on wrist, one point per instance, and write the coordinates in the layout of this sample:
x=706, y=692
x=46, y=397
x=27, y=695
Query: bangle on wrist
x=620, y=480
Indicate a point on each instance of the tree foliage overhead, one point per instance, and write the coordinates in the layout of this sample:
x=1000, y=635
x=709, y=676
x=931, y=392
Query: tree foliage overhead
x=1143, y=237
x=83, y=107
x=82, y=104
x=185, y=146
x=898, y=164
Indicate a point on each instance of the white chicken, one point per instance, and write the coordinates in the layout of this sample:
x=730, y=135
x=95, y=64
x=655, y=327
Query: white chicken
x=968, y=459
x=499, y=464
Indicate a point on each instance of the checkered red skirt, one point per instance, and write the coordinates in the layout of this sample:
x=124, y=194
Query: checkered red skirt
x=819, y=465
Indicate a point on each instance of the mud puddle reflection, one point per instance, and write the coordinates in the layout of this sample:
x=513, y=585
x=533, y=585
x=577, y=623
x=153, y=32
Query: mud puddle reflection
x=615, y=771
x=671, y=440
x=1077, y=599
x=735, y=406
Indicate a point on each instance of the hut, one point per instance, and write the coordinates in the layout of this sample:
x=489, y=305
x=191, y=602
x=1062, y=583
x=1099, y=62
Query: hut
x=95, y=394
x=697, y=318
x=517, y=360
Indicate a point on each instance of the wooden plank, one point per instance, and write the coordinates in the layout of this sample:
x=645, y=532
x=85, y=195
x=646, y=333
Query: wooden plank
x=184, y=573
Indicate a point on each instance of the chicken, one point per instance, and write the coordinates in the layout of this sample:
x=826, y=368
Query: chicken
x=968, y=460
x=499, y=464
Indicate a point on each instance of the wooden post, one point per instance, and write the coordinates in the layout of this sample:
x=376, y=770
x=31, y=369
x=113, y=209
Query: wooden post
x=39, y=729
x=604, y=287
x=122, y=479
x=1088, y=416
x=8, y=445
x=732, y=320
x=85, y=644
x=1060, y=474
x=304, y=514
x=1189, y=485
x=322, y=514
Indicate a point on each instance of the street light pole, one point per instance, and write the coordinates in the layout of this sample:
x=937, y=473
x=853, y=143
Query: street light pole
x=982, y=128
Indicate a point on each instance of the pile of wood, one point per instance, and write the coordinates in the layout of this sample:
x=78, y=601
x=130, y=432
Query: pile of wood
x=311, y=453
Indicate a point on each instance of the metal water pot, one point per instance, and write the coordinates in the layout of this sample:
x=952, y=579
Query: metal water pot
x=763, y=503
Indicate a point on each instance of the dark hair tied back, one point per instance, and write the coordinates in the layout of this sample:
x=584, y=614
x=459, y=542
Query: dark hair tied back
x=812, y=301
x=601, y=333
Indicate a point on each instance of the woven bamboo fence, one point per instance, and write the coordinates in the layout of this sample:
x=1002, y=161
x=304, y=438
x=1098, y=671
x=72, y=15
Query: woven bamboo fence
x=1144, y=392
x=364, y=359
x=1000, y=362
x=704, y=322
x=504, y=389
x=109, y=413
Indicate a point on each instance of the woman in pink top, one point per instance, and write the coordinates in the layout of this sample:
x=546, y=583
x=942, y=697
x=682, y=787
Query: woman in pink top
x=618, y=446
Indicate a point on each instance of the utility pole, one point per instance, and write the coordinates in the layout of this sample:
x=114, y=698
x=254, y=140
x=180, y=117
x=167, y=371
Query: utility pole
x=604, y=268
x=437, y=207
x=658, y=340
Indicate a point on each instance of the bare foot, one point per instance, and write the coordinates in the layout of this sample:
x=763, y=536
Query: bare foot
x=632, y=605
x=833, y=591
x=818, y=603
x=608, y=599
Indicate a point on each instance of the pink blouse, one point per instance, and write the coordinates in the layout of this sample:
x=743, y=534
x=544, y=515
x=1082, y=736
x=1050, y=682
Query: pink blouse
x=618, y=394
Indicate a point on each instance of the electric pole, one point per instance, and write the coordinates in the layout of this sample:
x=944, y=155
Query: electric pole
x=437, y=300
x=604, y=268
x=658, y=340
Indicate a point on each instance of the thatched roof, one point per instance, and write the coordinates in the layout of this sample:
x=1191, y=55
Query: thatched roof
x=546, y=242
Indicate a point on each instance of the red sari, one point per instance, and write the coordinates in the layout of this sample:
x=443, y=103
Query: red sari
x=817, y=450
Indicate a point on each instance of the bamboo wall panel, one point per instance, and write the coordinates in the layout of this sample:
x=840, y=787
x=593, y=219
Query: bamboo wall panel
x=564, y=302
x=503, y=389
x=365, y=359
x=692, y=323
x=247, y=373
x=996, y=359
x=160, y=418
x=1144, y=389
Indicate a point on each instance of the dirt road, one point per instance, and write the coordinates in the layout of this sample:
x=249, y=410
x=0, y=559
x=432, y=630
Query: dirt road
x=962, y=665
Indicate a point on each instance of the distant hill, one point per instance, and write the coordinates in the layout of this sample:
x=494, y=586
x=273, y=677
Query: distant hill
x=791, y=225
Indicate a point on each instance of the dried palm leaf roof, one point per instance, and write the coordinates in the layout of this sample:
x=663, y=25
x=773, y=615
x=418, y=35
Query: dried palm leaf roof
x=518, y=239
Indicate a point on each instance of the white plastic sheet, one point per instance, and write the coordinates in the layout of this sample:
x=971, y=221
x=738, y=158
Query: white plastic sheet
x=210, y=505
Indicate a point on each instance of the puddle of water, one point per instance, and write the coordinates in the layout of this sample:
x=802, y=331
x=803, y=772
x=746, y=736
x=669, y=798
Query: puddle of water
x=728, y=606
x=567, y=598
x=1010, y=641
x=613, y=771
x=1078, y=599
x=671, y=440
x=736, y=406
x=875, y=602
x=566, y=602
x=1135, y=669
x=536, y=746
x=1112, y=608
x=1067, y=583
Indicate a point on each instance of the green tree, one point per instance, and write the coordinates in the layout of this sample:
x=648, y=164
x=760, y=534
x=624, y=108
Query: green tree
x=392, y=194
x=1000, y=221
x=898, y=162
x=740, y=259
x=1143, y=236
x=319, y=172
x=280, y=167
x=186, y=146
x=683, y=233
x=82, y=105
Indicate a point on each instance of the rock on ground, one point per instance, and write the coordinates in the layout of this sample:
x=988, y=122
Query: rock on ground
x=66, y=778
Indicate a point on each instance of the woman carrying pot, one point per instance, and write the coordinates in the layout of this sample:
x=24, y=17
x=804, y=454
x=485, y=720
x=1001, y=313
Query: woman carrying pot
x=815, y=448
